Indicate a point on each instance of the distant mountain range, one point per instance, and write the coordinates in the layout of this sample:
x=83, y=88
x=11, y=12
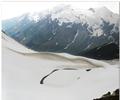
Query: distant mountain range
x=64, y=29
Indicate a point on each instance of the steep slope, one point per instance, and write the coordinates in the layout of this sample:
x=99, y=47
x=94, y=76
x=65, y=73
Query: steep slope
x=107, y=51
x=64, y=29
x=14, y=45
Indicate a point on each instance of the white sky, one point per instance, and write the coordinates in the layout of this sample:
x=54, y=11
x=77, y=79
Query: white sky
x=12, y=9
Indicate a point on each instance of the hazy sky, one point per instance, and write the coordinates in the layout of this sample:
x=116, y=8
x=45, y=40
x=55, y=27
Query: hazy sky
x=12, y=9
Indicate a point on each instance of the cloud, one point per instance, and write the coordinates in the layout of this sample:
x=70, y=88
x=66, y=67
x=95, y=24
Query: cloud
x=12, y=9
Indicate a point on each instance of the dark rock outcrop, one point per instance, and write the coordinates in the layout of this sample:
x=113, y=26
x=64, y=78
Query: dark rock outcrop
x=107, y=51
x=109, y=96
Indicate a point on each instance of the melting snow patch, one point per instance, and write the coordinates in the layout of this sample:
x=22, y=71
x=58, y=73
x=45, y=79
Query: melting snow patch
x=56, y=43
x=97, y=31
x=69, y=26
x=50, y=38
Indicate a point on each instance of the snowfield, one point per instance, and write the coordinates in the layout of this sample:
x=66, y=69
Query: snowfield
x=77, y=78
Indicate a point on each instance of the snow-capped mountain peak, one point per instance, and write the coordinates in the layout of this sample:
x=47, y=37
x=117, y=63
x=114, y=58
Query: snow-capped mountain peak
x=91, y=16
x=37, y=16
x=64, y=28
x=66, y=14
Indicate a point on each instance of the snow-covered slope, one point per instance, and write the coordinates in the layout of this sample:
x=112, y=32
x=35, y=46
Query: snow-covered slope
x=22, y=73
x=75, y=61
x=14, y=45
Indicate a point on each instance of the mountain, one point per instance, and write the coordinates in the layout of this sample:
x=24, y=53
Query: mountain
x=64, y=29
x=109, y=96
x=107, y=51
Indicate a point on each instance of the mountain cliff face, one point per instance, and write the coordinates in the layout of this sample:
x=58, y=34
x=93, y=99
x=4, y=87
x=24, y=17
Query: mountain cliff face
x=109, y=96
x=64, y=29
